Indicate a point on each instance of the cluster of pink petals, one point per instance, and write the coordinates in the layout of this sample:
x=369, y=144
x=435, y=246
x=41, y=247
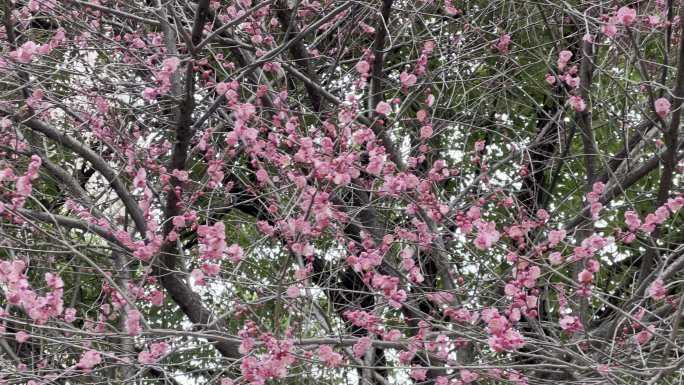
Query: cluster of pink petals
x=273, y=365
x=365, y=261
x=363, y=319
x=626, y=16
x=502, y=335
x=24, y=183
x=657, y=290
x=390, y=288
x=644, y=336
x=361, y=346
x=577, y=103
x=212, y=240
x=327, y=355
x=19, y=293
x=662, y=107
x=156, y=352
x=383, y=108
x=594, y=197
x=407, y=80
x=450, y=9
x=648, y=225
x=89, y=360
x=29, y=50
x=133, y=319
x=169, y=67
x=570, y=323
x=555, y=237
x=503, y=43
x=487, y=235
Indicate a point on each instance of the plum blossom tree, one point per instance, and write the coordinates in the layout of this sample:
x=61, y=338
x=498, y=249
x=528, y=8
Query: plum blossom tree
x=330, y=192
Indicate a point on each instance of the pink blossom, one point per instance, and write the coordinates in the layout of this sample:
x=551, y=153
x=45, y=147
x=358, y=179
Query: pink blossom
x=235, y=253
x=221, y=88
x=503, y=43
x=555, y=237
x=440, y=298
x=467, y=376
x=563, y=58
x=331, y=358
x=212, y=240
x=392, y=335
x=133, y=318
x=181, y=175
x=644, y=336
x=657, y=289
x=550, y=79
x=430, y=100
x=293, y=291
x=262, y=176
x=649, y=223
x=23, y=186
x=140, y=179
x=70, y=315
x=577, y=103
x=419, y=374
x=383, y=108
x=585, y=277
x=156, y=352
x=25, y=53
x=487, y=235
x=361, y=346
x=572, y=81
x=407, y=80
x=363, y=67
x=171, y=64
x=450, y=9
x=510, y=340
x=653, y=20
x=426, y=132
x=211, y=269
x=603, y=369
x=89, y=360
x=626, y=15
x=662, y=107
x=178, y=221
x=362, y=319
x=593, y=266
x=609, y=29
x=570, y=323
x=367, y=28
x=594, y=210
x=146, y=358
x=555, y=258
x=675, y=204
x=375, y=164
x=661, y=214
x=198, y=276
x=598, y=188
x=421, y=115
x=156, y=297
x=497, y=325
x=543, y=215
x=632, y=220
x=150, y=93
x=21, y=336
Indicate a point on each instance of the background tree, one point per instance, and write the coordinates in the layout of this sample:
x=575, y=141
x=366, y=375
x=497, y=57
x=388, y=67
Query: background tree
x=367, y=192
